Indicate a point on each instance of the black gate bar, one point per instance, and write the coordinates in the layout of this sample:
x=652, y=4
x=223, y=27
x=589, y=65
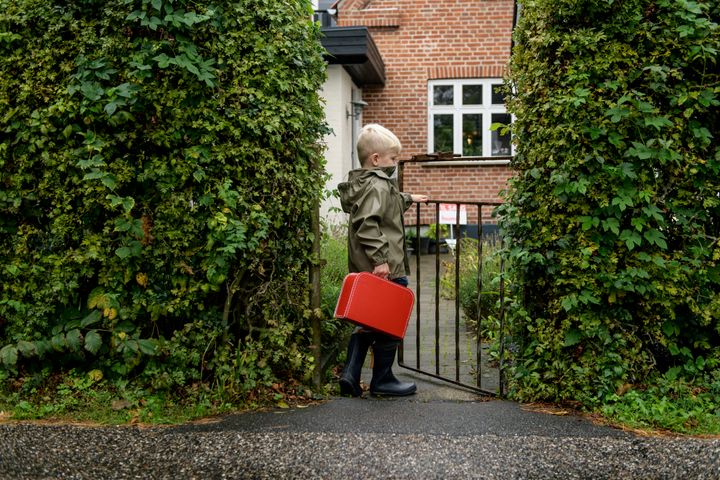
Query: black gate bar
x=458, y=249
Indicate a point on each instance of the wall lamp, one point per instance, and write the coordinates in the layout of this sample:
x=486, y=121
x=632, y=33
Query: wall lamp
x=357, y=108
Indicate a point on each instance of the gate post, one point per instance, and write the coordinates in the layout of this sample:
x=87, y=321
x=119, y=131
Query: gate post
x=315, y=324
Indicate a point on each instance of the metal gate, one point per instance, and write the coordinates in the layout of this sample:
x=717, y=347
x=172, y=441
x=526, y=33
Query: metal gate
x=439, y=342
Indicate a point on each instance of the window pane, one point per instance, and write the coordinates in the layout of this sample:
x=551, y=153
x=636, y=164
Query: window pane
x=472, y=135
x=443, y=133
x=472, y=94
x=498, y=96
x=443, y=95
x=500, y=141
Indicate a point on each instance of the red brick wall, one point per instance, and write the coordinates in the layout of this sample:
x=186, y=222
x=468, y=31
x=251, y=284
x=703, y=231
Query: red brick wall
x=423, y=40
x=454, y=184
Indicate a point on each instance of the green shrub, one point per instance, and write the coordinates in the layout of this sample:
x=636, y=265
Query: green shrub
x=481, y=311
x=613, y=218
x=433, y=228
x=159, y=161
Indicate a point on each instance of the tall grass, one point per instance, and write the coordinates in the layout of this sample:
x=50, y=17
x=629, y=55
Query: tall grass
x=333, y=253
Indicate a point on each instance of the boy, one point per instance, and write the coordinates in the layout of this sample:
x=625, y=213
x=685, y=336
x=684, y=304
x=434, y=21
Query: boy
x=376, y=243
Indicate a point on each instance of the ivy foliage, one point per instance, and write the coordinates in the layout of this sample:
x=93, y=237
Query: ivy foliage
x=159, y=162
x=613, y=220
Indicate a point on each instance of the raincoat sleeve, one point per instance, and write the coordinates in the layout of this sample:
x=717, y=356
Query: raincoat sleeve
x=407, y=200
x=367, y=223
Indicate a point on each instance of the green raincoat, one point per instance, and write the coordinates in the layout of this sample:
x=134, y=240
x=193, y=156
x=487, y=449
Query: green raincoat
x=376, y=233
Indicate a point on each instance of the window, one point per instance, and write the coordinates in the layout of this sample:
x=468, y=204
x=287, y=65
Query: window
x=460, y=115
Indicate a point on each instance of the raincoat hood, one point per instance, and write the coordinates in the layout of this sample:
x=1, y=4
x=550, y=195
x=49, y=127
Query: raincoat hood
x=358, y=181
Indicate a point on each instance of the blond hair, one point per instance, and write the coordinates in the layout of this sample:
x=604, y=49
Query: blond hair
x=375, y=138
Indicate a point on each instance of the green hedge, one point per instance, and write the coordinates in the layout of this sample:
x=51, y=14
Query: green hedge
x=159, y=161
x=613, y=219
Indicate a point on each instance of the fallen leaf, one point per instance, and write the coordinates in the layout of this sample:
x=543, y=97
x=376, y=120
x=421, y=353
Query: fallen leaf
x=119, y=404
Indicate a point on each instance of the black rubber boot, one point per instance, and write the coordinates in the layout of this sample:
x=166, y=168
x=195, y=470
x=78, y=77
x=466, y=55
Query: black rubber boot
x=383, y=381
x=357, y=350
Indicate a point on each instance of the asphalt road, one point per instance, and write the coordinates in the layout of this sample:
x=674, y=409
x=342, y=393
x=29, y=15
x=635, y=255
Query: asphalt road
x=440, y=433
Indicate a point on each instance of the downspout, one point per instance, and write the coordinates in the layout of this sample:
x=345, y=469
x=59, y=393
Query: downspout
x=356, y=107
x=517, y=7
x=353, y=136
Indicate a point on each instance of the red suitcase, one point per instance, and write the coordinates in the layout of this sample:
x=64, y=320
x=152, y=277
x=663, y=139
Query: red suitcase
x=372, y=302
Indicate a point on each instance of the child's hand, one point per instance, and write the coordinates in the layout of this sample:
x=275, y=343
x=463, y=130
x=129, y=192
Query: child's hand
x=419, y=198
x=382, y=270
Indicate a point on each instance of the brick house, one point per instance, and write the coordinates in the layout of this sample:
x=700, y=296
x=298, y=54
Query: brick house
x=436, y=71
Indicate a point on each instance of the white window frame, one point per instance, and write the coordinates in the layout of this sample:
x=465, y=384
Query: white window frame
x=458, y=109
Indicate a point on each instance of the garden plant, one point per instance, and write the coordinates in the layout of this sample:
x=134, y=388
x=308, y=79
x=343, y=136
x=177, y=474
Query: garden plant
x=479, y=297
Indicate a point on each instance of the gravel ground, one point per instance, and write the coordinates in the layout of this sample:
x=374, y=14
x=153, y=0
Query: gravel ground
x=67, y=452
x=441, y=433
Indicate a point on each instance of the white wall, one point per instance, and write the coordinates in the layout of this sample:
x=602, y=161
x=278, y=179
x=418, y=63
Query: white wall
x=338, y=93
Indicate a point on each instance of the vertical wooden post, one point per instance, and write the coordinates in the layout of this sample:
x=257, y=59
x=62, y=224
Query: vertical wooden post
x=315, y=297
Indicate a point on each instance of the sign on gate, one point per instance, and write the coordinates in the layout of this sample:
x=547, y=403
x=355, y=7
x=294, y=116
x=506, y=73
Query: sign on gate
x=448, y=214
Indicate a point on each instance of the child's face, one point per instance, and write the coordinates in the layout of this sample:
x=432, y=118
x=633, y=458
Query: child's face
x=386, y=159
